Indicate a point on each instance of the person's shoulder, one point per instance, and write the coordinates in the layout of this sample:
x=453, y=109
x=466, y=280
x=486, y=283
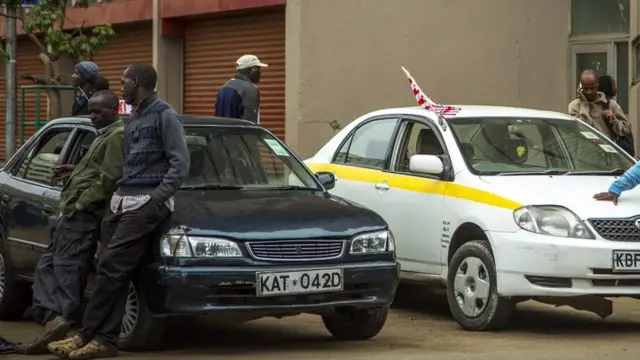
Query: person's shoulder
x=574, y=102
x=613, y=104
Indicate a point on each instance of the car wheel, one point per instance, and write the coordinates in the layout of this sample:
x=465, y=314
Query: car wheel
x=140, y=330
x=472, y=289
x=356, y=324
x=15, y=295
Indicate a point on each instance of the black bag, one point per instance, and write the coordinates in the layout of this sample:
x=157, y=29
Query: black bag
x=625, y=141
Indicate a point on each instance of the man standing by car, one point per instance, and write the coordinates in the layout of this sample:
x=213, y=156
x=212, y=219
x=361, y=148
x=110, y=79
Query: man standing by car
x=591, y=108
x=239, y=98
x=61, y=273
x=84, y=77
x=156, y=161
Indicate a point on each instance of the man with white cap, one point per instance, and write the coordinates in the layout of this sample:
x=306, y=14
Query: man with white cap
x=239, y=98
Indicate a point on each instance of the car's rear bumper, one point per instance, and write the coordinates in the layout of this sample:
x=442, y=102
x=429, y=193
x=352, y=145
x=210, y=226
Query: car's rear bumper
x=184, y=290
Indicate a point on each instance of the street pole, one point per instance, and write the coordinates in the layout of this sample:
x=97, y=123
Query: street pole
x=11, y=80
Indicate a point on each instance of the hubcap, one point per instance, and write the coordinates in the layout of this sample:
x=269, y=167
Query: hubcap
x=472, y=287
x=130, y=317
x=2, y=277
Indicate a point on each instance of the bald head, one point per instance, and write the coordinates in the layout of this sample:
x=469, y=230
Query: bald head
x=103, y=108
x=589, y=85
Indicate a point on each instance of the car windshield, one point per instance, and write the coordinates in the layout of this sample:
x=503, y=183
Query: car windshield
x=241, y=158
x=512, y=146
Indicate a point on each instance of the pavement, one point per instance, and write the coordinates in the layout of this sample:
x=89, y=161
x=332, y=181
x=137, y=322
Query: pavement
x=419, y=327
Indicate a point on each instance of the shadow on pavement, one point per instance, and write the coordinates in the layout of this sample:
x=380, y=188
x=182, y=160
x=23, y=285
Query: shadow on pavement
x=532, y=317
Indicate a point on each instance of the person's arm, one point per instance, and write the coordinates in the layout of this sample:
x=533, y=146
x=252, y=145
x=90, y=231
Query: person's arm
x=175, y=149
x=110, y=173
x=228, y=103
x=619, y=124
x=629, y=180
x=580, y=110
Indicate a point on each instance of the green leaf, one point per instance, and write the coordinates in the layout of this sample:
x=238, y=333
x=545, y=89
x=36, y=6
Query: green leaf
x=79, y=43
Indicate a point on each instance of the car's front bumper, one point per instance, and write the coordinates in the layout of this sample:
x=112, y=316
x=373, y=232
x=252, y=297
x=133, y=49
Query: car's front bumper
x=529, y=264
x=184, y=290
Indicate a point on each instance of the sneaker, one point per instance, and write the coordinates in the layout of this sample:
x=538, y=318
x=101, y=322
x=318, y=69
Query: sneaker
x=63, y=348
x=94, y=350
x=54, y=330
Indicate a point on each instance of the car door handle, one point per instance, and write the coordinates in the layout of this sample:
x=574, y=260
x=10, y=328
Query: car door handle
x=382, y=186
x=47, y=209
x=5, y=198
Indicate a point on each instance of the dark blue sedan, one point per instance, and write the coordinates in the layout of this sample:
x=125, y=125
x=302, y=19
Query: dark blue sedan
x=254, y=234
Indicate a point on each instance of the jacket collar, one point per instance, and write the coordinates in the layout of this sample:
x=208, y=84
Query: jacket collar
x=146, y=102
x=109, y=128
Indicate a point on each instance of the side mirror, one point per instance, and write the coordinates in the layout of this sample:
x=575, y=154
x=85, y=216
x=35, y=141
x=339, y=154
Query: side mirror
x=327, y=179
x=426, y=164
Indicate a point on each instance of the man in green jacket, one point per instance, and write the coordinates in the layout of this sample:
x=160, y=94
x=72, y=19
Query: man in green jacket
x=61, y=273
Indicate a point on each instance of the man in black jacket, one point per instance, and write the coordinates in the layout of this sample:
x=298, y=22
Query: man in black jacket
x=85, y=76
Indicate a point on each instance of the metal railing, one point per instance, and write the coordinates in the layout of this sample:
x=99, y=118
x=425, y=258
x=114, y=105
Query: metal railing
x=38, y=122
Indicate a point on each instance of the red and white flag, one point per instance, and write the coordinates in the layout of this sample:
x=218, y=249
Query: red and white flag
x=424, y=101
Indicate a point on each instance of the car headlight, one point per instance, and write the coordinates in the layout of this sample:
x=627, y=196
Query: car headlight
x=371, y=243
x=173, y=245
x=551, y=220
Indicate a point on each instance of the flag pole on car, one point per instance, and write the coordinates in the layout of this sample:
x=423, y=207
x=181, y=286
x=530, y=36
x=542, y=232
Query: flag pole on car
x=426, y=103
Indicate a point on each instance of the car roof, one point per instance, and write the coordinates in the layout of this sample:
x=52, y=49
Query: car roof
x=187, y=120
x=474, y=111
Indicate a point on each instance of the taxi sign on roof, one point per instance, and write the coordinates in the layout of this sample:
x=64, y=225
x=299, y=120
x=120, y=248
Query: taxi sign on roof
x=124, y=108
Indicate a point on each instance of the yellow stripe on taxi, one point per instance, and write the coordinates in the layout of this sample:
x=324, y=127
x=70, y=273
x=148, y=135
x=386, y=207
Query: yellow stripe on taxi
x=422, y=185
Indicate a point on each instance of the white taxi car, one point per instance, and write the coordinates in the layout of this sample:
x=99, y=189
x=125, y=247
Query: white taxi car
x=495, y=202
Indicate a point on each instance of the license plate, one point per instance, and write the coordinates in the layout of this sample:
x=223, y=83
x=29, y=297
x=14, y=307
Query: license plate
x=626, y=260
x=299, y=282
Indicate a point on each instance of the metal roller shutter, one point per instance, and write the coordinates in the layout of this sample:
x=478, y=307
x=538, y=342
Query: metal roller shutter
x=213, y=45
x=132, y=44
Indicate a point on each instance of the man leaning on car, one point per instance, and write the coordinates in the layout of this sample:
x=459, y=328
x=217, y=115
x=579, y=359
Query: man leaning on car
x=61, y=273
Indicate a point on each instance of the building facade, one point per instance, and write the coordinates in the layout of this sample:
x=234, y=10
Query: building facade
x=333, y=60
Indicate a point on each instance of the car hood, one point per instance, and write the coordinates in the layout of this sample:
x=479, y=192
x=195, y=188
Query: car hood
x=264, y=215
x=574, y=192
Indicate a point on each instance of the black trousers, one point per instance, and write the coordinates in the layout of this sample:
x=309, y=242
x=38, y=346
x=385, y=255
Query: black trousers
x=127, y=235
x=61, y=274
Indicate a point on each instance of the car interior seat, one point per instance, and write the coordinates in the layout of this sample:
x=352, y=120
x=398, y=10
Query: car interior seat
x=198, y=156
x=428, y=143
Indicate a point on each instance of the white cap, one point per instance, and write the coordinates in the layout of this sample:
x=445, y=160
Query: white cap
x=249, y=61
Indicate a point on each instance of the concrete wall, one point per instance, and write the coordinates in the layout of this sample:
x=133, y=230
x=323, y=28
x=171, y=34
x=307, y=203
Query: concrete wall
x=343, y=57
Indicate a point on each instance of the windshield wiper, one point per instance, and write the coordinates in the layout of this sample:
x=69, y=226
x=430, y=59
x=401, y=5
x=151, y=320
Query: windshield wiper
x=545, y=172
x=211, y=187
x=614, y=172
x=287, y=187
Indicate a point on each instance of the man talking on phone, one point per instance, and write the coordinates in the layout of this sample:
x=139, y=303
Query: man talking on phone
x=593, y=108
x=61, y=273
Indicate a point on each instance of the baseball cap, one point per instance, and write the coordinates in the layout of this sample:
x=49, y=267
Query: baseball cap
x=249, y=61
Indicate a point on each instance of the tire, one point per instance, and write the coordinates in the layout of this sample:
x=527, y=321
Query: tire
x=356, y=324
x=140, y=330
x=15, y=294
x=485, y=310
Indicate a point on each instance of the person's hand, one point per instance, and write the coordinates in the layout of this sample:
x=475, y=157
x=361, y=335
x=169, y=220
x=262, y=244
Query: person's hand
x=63, y=170
x=607, y=196
x=581, y=95
x=607, y=114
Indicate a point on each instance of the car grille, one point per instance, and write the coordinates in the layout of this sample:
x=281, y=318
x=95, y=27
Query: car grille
x=299, y=250
x=617, y=229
